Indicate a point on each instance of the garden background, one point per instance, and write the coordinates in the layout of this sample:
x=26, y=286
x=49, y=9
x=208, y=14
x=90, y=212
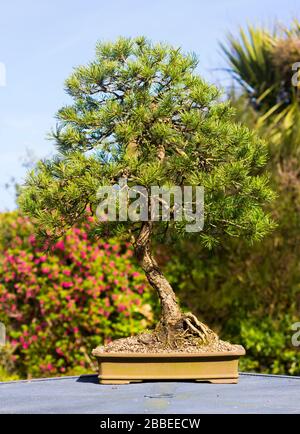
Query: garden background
x=56, y=307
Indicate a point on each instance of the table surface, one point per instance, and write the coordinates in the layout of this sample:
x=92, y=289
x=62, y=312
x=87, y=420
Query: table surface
x=255, y=393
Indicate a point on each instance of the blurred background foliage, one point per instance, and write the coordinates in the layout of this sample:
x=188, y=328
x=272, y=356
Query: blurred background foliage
x=249, y=294
x=58, y=306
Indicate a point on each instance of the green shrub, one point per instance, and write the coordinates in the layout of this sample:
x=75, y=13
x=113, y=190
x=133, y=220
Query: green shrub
x=249, y=295
x=58, y=306
x=269, y=347
x=7, y=369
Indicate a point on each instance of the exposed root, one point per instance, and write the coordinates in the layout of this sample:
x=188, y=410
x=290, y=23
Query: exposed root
x=197, y=328
x=187, y=329
x=194, y=329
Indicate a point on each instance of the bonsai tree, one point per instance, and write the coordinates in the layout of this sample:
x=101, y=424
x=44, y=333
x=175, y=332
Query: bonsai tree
x=141, y=113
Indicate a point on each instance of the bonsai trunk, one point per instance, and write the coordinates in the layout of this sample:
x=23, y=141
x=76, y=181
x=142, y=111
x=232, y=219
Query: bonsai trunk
x=174, y=324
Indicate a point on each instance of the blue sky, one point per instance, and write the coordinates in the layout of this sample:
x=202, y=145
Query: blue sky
x=41, y=41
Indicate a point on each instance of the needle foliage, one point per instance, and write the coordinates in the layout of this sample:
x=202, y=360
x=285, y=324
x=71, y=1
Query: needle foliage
x=140, y=111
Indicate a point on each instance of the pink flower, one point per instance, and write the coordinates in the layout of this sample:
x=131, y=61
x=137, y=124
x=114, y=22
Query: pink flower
x=121, y=307
x=59, y=351
x=75, y=329
x=67, y=284
x=31, y=239
x=67, y=272
x=60, y=245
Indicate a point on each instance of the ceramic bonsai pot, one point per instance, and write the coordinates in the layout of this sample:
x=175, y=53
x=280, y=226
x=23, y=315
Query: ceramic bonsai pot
x=124, y=368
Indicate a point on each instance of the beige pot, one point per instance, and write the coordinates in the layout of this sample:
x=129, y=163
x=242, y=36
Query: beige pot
x=124, y=368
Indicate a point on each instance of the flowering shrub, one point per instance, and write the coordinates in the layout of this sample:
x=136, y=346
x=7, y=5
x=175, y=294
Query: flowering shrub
x=58, y=306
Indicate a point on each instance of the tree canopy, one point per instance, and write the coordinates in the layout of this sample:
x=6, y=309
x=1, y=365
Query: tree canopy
x=140, y=111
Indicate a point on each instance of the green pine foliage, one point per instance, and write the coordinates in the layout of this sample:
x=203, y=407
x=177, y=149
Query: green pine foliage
x=140, y=111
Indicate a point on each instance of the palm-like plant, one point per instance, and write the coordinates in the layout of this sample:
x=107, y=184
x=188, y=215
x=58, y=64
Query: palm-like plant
x=250, y=62
x=262, y=63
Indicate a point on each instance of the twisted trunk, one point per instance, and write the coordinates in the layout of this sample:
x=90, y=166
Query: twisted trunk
x=170, y=310
x=174, y=325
